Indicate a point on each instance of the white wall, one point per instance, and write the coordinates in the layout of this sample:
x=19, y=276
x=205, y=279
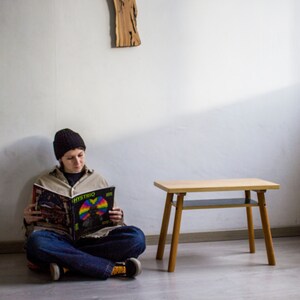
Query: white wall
x=212, y=92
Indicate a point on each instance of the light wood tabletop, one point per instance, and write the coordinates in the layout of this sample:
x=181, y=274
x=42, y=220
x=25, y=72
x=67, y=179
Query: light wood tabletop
x=244, y=184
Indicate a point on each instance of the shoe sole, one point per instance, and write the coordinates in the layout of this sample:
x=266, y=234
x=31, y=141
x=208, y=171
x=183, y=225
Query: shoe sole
x=55, y=271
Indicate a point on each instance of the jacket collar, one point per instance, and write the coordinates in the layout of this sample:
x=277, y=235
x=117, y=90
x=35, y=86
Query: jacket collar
x=57, y=172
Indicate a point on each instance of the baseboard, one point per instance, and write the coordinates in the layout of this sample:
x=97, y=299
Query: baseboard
x=11, y=247
x=195, y=237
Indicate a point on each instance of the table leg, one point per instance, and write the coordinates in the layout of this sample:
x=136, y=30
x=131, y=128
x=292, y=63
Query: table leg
x=175, y=235
x=250, y=225
x=266, y=227
x=164, y=227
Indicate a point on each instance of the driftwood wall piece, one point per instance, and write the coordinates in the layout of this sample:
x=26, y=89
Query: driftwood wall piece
x=126, y=25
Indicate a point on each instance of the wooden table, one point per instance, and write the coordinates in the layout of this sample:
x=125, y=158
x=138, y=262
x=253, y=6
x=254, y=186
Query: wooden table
x=182, y=187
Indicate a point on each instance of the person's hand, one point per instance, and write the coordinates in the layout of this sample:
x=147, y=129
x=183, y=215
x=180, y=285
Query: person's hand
x=116, y=214
x=31, y=215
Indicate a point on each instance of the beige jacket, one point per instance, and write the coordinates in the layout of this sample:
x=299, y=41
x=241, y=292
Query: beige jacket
x=56, y=181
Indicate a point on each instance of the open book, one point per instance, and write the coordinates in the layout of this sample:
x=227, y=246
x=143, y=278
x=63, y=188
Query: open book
x=81, y=215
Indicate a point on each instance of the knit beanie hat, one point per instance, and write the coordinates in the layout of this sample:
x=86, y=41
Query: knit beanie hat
x=65, y=140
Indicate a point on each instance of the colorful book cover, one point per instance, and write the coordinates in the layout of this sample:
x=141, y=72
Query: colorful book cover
x=80, y=215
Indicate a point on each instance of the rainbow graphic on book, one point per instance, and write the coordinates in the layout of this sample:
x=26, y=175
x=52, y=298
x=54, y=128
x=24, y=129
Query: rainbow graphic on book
x=97, y=206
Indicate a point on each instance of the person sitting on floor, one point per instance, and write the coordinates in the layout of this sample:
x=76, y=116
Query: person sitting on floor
x=111, y=251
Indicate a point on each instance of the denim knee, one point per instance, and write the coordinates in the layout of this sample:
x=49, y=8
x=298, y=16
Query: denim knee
x=39, y=242
x=33, y=240
x=138, y=239
x=33, y=244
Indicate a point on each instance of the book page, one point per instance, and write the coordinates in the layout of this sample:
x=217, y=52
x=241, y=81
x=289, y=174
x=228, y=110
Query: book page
x=54, y=208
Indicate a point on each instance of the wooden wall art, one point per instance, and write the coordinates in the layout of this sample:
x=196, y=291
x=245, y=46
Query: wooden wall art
x=126, y=25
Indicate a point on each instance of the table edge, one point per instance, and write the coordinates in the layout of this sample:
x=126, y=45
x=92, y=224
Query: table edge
x=246, y=187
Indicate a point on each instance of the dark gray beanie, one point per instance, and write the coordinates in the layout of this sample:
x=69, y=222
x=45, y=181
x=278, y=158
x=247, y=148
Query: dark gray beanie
x=65, y=140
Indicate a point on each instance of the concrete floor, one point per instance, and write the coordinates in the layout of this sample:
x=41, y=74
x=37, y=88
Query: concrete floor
x=208, y=270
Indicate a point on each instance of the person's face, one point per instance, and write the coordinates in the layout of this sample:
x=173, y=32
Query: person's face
x=73, y=161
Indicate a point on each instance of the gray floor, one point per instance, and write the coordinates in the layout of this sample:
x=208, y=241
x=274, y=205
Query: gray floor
x=210, y=270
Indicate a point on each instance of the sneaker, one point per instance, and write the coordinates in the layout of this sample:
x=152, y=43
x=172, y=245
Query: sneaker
x=57, y=271
x=54, y=271
x=133, y=267
x=130, y=268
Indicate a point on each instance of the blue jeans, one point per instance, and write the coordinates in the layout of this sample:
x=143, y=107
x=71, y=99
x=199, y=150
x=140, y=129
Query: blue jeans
x=94, y=257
